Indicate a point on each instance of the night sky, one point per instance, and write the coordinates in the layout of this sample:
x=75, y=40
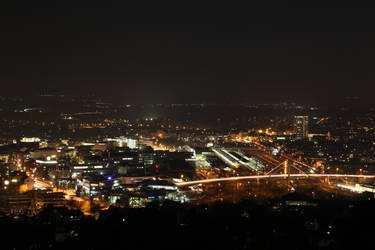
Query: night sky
x=188, y=53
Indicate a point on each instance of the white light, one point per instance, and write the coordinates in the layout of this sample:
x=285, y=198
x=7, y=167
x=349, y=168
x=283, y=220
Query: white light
x=46, y=162
x=6, y=182
x=351, y=188
x=80, y=167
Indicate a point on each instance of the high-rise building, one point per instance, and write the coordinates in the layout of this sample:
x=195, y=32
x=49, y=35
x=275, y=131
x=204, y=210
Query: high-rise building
x=300, y=126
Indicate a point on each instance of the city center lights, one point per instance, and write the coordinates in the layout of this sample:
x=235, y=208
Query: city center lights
x=127, y=125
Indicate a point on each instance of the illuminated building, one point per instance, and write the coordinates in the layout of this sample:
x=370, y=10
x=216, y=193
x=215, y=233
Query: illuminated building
x=300, y=126
x=132, y=143
x=30, y=139
x=32, y=201
x=99, y=169
x=44, y=153
x=93, y=185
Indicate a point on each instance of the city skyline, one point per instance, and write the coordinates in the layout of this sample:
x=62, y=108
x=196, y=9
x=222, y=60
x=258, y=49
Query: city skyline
x=189, y=126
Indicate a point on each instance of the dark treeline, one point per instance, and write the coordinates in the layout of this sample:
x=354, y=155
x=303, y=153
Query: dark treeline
x=319, y=225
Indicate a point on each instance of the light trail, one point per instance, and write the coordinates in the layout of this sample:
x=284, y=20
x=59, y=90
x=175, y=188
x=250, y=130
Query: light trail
x=258, y=144
x=188, y=183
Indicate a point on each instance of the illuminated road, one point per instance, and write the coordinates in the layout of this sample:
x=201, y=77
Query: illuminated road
x=187, y=183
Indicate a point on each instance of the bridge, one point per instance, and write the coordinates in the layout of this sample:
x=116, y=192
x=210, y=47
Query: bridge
x=272, y=176
x=284, y=169
x=289, y=168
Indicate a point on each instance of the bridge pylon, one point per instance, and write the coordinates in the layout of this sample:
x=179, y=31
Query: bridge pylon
x=286, y=168
x=283, y=167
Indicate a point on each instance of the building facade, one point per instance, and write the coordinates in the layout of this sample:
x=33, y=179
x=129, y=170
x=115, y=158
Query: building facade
x=300, y=126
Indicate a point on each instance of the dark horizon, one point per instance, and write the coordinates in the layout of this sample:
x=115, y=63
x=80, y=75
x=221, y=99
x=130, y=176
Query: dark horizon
x=47, y=98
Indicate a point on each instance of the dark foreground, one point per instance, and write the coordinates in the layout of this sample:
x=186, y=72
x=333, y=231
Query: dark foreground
x=282, y=224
